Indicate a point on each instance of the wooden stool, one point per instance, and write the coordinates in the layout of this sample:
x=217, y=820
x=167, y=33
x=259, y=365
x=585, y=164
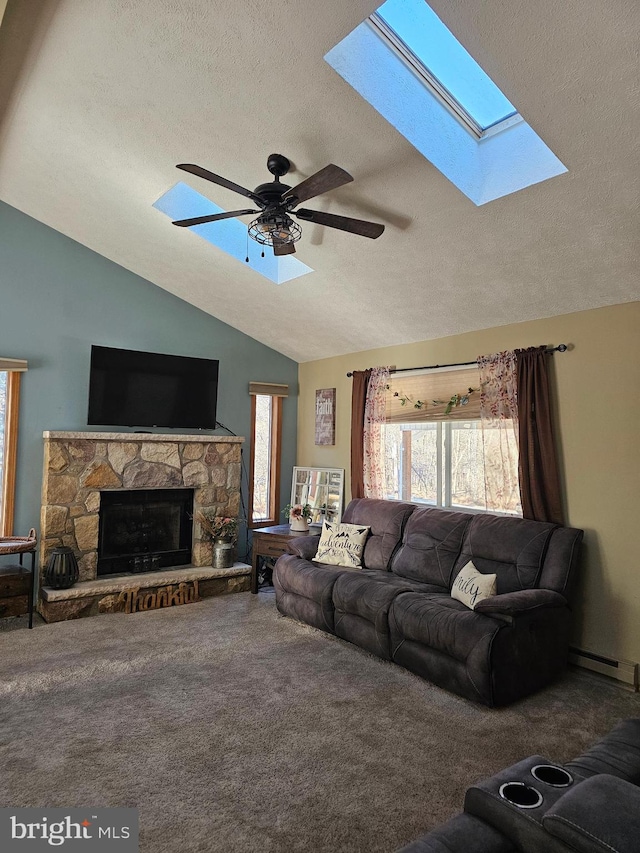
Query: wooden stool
x=21, y=545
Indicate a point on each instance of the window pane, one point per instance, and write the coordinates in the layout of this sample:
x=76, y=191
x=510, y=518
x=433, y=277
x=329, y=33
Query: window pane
x=3, y=410
x=467, y=470
x=262, y=457
x=424, y=463
x=411, y=462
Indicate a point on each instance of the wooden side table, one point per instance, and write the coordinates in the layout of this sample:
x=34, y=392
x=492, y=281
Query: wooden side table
x=271, y=542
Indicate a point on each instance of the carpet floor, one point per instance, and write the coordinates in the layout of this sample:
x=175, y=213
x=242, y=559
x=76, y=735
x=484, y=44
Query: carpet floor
x=234, y=729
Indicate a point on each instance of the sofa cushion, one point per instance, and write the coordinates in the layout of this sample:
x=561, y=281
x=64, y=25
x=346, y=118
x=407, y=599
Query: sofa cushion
x=431, y=543
x=307, y=579
x=386, y=520
x=471, y=587
x=342, y=544
x=442, y=623
x=368, y=594
x=511, y=548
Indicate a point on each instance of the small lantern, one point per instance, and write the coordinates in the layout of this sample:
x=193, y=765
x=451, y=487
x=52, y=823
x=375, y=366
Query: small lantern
x=62, y=569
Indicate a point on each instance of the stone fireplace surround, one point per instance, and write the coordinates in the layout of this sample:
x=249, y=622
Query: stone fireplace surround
x=79, y=465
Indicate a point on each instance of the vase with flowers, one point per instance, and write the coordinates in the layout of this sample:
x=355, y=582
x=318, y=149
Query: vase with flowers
x=299, y=516
x=223, y=532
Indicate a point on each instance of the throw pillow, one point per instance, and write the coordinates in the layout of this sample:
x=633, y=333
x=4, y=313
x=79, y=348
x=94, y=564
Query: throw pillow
x=342, y=544
x=471, y=586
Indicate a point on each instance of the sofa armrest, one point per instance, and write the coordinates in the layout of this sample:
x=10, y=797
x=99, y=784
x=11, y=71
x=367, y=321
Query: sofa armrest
x=304, y=546
x=462, y=832
x=522, y=601
x=599, y=815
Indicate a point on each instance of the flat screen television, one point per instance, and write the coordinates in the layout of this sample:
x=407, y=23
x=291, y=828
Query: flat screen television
x=148, y=389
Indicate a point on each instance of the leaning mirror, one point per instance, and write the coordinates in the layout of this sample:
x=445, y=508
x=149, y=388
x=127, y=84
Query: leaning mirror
x=322, y=489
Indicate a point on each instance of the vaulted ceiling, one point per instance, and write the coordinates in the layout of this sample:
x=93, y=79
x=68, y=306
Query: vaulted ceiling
x=100, y=100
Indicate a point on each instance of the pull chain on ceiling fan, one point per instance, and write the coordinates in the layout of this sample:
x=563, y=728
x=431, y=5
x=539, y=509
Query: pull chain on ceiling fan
x=274, y=225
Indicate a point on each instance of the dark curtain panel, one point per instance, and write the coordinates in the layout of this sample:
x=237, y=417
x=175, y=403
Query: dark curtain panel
x=538, y=466
x=358, y=399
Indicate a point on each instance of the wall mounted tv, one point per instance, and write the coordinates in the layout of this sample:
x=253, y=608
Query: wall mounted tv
x=148, y=389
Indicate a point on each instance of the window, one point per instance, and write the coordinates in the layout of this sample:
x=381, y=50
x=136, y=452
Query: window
x=438, y=57
x=266, y=441
x=442, y=464
x=436, y=449
x=406, y=63
x=10, y=372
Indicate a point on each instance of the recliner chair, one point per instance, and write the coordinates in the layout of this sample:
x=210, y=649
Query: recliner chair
x=589, y=805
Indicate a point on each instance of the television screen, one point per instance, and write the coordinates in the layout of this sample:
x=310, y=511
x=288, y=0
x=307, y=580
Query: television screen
x=148, y=389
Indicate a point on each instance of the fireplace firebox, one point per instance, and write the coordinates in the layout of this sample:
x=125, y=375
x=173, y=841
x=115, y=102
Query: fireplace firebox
x=144, y=530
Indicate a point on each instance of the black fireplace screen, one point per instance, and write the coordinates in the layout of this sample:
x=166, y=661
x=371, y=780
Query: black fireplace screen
x=144, y=529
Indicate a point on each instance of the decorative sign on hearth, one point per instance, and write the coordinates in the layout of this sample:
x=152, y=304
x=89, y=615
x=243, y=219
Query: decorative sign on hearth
x=132, y=600
x=326, y=416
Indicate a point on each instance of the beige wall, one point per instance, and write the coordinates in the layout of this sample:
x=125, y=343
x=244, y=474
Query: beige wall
x=598, y=413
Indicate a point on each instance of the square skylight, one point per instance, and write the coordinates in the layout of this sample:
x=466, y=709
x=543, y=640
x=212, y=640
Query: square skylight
x=406, y=63
x=230, y=235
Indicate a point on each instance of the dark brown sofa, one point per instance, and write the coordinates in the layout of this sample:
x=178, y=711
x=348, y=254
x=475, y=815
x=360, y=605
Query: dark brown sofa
x=399, y=606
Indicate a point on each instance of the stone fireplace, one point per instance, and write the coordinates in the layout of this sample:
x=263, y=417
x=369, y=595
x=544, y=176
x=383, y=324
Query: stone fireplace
x=84, y=470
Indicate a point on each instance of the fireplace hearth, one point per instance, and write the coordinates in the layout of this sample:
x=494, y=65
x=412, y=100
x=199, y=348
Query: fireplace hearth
x=144, y=530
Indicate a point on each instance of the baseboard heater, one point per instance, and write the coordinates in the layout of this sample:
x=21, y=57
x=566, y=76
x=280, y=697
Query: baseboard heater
x=624, y=671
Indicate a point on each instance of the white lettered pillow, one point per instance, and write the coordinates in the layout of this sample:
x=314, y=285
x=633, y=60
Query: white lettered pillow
x=471, y=586
x=342, y=544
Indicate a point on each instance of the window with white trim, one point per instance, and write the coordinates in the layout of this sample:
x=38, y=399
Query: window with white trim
x=437, y=452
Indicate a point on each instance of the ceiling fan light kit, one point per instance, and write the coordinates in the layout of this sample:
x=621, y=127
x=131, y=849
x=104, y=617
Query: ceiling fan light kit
x=274, y=225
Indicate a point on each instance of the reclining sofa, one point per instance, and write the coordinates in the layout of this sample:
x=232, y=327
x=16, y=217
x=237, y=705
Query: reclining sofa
x=399, y=606
x=591, y=805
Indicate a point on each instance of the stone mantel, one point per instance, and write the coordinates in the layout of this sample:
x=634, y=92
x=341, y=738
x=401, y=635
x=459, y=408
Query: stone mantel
x=141, y=436
x=79, y=465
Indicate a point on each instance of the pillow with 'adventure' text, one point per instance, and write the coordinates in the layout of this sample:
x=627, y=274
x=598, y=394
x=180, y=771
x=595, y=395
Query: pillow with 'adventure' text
x=342, y=544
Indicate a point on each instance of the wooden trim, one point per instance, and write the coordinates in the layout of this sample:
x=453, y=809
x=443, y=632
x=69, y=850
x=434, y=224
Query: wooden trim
x=276, y=455
x=274, y=462
x=252, y=459
x=11, y=454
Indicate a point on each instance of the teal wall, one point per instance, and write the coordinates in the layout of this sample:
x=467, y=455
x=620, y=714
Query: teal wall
x=58, y=297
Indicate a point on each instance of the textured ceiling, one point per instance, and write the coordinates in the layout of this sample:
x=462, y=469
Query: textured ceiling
x=99, y=100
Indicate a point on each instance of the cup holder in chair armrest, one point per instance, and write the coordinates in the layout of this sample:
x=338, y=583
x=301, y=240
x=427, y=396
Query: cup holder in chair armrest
x=514, y=802
x=521, y=795
x=552, y=775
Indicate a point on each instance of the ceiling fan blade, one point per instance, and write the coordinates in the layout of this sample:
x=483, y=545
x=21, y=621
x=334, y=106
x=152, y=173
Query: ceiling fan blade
x=200, y=220
x=343, y=223
x=216, y=179
x=326, y=179
x=283, y=249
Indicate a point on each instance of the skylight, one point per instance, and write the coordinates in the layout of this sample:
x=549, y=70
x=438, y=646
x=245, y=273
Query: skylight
x=418, y=28
x=406, y=63
x=230, y=235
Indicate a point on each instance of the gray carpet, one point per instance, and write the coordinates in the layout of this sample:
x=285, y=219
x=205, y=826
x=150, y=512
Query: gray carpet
x=232, y=729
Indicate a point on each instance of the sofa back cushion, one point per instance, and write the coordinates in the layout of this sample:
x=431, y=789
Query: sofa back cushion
x=386, y=520
x=430, y=546
x=513, y=549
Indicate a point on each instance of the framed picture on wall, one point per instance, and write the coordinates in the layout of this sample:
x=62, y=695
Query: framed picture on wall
x=326, y=416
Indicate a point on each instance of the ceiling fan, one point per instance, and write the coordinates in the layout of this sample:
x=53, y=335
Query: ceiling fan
x=274, y=225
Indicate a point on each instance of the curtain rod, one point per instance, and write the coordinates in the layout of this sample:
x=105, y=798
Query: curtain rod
x=559, y=348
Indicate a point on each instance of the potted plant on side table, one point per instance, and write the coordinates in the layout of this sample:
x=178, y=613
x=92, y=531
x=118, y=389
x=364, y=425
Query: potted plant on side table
x=223, y=532
x=299, y=516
